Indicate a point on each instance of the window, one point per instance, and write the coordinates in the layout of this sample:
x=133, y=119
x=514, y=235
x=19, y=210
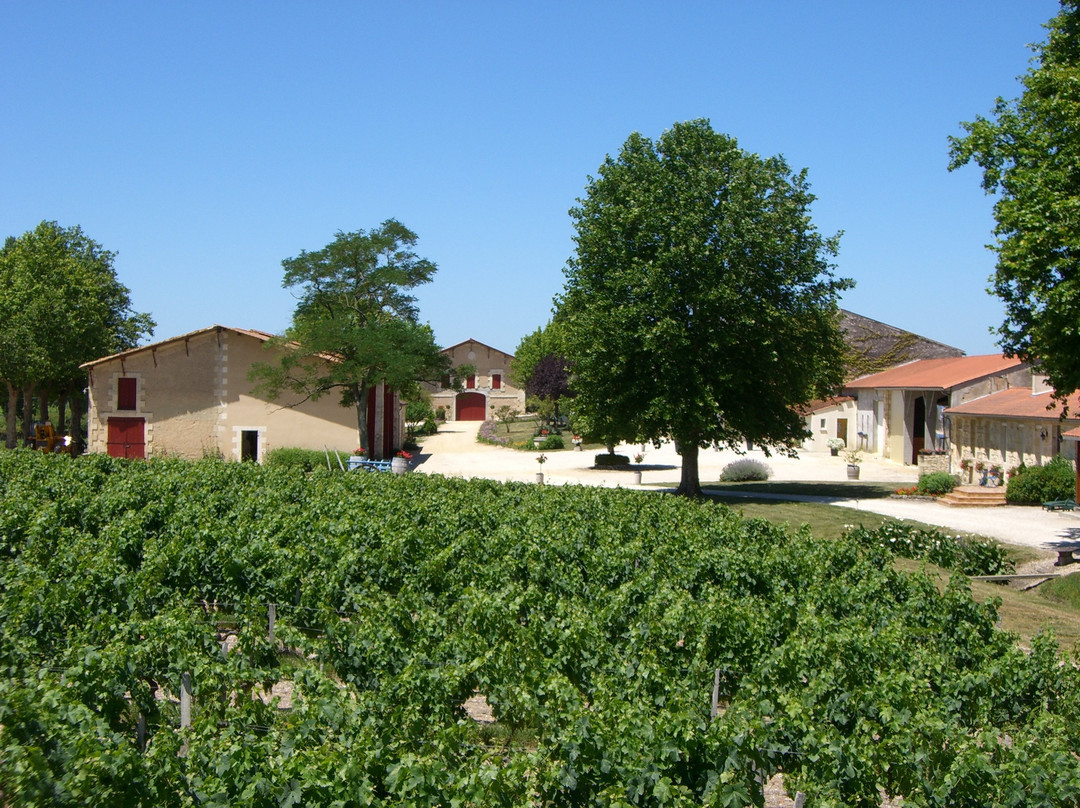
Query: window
x=446, y=380
x=125, y=393
x=471, y=381
x=496, y=381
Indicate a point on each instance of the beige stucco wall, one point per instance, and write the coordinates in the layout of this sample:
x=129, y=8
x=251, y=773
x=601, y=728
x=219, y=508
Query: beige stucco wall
x=487, y=361
x=823, y=424
x=196, y=401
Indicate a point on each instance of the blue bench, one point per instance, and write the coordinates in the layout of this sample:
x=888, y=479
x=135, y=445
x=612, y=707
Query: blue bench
x=364, y=464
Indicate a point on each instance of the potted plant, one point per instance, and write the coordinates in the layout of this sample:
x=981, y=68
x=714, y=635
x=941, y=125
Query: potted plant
x=400, y=463
x=835, y=445
x=577, y=443
x=854, y=459
x=966, y=465
x=541, y=459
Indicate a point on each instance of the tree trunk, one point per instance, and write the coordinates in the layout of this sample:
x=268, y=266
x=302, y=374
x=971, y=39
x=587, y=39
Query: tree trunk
x=690, y=481
x=43, y=406
x=61, y=413
x=12, y=440
x=28, y=415
x=78, y=407
x=360, y=396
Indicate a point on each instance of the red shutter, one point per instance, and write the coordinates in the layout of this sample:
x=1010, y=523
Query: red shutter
x=496, y=381
x=125, y=393
x=471, y=381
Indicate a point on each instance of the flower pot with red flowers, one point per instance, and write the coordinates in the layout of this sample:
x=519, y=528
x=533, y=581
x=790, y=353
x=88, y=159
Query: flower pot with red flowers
x=400, y=463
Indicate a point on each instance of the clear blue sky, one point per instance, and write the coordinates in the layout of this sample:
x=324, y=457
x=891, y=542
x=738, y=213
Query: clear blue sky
x=205, y=142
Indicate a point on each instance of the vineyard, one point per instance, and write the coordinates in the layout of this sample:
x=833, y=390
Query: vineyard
x=634, y=649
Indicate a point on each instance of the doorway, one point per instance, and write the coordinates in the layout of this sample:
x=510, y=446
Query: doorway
x=841, y=430
x=249, y=445
x=918, y=430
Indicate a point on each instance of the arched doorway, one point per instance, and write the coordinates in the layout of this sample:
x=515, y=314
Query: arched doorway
x=470, y=407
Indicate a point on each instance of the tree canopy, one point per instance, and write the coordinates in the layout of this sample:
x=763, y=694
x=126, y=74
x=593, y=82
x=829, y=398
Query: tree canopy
x=1029, y=153
x=700, y=304
x=61, y=304
x=356, y=322
x=541, y=343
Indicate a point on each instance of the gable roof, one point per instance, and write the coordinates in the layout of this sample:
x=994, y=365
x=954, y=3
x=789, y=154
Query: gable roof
x=475, y=342
x=262, y=336
x=1019, y=402
x=874, y=346
x=937, y=374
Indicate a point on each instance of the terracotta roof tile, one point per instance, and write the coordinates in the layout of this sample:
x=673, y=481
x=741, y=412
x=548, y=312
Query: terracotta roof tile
x=937, y=374
x=1016, y=403
x=262, y=336
x=823, y=404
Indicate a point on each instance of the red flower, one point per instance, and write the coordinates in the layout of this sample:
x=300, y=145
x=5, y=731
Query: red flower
x=404, y=455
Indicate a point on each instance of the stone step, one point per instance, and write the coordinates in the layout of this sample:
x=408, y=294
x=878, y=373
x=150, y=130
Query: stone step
x=974, y=496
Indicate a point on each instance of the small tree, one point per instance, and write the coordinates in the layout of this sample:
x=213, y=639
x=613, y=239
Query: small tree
x=356, y=322
x=506, y=414
x=700, y=303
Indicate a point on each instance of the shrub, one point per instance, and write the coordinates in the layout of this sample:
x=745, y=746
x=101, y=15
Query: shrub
x=306, y=459
x=936, y=483
x=417, y=412
x=488, y=434
x=552, y=442
x=745, y=470
x=969, y=556
x=608, y=459
x=1037, y=484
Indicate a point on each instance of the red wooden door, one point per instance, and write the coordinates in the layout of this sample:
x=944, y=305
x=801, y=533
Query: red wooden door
x=126, y=437
x=470, y=407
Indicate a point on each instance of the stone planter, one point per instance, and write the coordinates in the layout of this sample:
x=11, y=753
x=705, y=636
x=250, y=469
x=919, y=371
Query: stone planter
x=399, y=465
x=929, y=463
x=540, y=478
x=852, y=471
x=834, y=452
x=637, y=477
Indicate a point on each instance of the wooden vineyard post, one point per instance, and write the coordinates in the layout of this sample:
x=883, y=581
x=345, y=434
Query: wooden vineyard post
x=271, y=615
x=185, y=708
x=716, y=694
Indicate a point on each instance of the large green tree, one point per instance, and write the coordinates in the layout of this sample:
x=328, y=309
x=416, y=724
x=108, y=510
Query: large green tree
x=1029, y=153
x=356, y=323
x=61, y=304
x=700, y=304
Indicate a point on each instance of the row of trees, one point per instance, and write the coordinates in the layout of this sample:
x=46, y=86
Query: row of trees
x=61, y=304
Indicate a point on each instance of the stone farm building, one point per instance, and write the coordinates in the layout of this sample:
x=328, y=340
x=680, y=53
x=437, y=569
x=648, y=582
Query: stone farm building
x=1019, y=425
x=190, y=396
x=484, y=391
x=900, y=412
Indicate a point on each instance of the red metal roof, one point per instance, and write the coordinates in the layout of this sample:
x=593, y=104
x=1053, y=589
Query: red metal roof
x=1017, y=403
x=937, y=374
